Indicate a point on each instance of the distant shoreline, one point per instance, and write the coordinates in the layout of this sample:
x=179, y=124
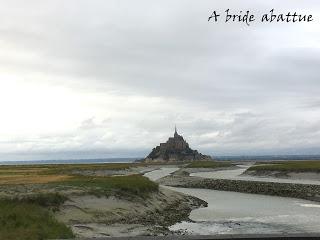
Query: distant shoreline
x=70, y=161
x=132, y=159
x=268, y=157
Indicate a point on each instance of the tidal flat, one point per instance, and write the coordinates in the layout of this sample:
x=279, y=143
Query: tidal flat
x=133, y=199
x=87, y=200
x=252, y=206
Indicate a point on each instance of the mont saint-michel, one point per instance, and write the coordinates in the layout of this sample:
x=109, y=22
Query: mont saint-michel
x=174, y=150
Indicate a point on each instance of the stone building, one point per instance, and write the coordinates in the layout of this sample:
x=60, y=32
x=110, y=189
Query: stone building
x=175, y=149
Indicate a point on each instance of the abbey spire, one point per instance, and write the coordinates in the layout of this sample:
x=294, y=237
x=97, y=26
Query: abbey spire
x=175, y=131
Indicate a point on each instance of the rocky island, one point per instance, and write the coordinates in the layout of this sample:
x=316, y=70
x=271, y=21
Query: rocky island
x=176, y=149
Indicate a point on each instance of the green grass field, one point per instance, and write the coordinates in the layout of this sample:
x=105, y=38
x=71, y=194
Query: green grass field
x=24, y=174
x=26, y=219
x=30, y=214
x=121, y=185
x=208, y=164
x=70, y=175
x=289, y=166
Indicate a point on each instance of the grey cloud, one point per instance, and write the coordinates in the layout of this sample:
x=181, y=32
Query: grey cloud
x=229, y=87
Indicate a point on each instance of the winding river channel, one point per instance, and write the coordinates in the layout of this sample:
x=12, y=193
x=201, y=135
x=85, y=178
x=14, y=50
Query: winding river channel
x=236, y=213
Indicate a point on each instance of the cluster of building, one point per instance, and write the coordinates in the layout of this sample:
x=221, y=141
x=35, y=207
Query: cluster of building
x=174, y=150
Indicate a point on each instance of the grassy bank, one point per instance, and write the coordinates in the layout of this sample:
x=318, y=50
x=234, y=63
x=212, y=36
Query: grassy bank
x=208, y=164
x=288, y=166
x=37, y=191
x=33, y=174
x=121, y=185
x=65, y=168
x=29, y=218
x=60, y=176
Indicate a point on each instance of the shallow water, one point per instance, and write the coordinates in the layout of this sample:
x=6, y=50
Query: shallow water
x=236, y=175
x=232, y=212
x=162, y=172
x=236, y=213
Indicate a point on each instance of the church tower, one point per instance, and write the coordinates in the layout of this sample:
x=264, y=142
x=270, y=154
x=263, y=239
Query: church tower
x=175, y=149
x=175, y=131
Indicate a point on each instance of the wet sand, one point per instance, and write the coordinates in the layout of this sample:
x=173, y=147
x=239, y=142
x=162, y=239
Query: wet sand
x=92, y=216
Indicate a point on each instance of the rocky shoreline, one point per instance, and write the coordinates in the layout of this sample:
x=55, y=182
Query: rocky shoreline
x=302, y=191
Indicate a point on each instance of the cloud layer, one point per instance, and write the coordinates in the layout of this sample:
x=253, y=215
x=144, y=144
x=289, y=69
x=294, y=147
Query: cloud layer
x=81, y=79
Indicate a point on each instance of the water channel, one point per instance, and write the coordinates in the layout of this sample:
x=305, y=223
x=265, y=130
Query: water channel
x=237, y=213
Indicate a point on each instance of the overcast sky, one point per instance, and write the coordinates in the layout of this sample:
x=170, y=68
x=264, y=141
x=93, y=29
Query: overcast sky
x=92, y=79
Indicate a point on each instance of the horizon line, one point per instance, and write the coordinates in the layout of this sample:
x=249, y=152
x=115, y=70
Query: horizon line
x=133, y=158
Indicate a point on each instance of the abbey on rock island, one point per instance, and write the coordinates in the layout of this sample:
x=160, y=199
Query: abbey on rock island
x=175, y=149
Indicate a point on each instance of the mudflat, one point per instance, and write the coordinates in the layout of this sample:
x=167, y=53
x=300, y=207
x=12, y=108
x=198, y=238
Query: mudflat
x=87, y=200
